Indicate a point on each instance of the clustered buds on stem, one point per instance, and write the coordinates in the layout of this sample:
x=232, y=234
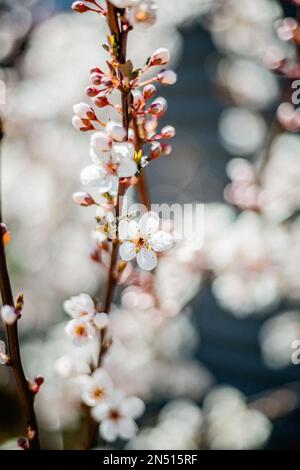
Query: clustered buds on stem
x=117, y=161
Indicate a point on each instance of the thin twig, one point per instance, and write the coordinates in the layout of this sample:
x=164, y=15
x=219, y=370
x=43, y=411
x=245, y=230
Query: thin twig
x=26, y=396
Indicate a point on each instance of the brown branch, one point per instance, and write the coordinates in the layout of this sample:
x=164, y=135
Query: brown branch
x=120, y=34
x=26, y=397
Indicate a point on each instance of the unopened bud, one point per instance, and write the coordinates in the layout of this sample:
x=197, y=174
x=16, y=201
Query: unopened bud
x=149, y=91
x=167, y=77
x=9, y=314
x=155, y=150
x=83, y=199
x=101, y=101
x=96, y=78
x=160, y=57
x=91, y=91
x=80, y=7
x=20, y=303
x=168, y=132
x=166, y=149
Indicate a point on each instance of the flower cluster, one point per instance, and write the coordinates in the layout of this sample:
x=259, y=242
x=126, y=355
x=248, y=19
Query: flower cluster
x=86, y=320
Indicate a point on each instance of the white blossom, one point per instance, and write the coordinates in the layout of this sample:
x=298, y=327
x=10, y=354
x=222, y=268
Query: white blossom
x=81, y=331
x=97, y=387
x=80, y=306
x=143, y=240
x=116, y=416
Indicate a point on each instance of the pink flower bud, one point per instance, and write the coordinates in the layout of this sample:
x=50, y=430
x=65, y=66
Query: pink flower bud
x=137, y=98
x=149, y=91
x=166, y=149
x=167, y=77
x=83, y=199
x=160, y=57
x=91, y=91
x=96, y=78
x=168, y=132
x=39, y=380
x=158, y=107
x=80, y=7
x=155, y=150
x=101, y=101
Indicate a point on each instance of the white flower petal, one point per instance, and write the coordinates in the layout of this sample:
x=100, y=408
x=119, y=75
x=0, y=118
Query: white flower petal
x=92, y=174
x=149, y=224
x=127, y=250
x=100, y=142
x=127, y=168
x=122, y=151
x=161, y=241
x=146, y=259
x=108, y=430
x=100, y=411
x=97, y=156
x=127, y=428
x=132, y=407
x=115, y=131
x=102, y=379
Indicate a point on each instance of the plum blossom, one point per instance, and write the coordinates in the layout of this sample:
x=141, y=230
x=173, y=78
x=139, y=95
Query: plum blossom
x=80, y=306
x=117, y=415
x=143, y=240
x=81, y=331
x=108, y=167
x=96, y=388
x=86, y=320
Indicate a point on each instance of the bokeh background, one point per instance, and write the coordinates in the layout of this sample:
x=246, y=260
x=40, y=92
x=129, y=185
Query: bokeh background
x=235, y=385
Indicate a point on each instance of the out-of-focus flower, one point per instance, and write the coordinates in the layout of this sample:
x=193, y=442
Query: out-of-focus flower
x=117, y=415
x=80, y=331
x=97, y=387
x=80, y=306
x=231, y=424
x=143, y=240
x=179, y=427
x=277, y=336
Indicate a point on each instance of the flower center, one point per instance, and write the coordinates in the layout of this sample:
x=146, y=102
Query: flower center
x=99, y=393
x=111, y=168
x=114, y=414
x=80, y=330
